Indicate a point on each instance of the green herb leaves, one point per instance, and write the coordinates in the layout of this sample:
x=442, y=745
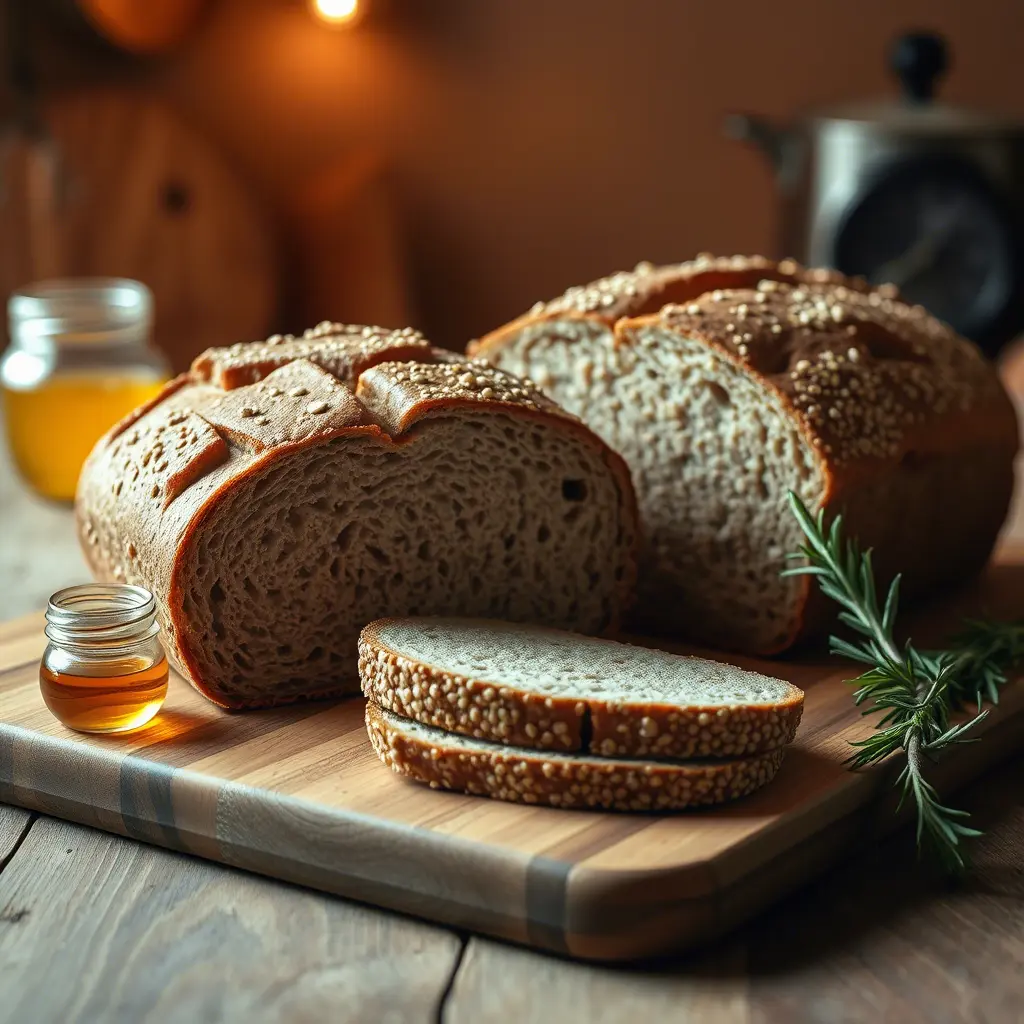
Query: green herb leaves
x=913, y=692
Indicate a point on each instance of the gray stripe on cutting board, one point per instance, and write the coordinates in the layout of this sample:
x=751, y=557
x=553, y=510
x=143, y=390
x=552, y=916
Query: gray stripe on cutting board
x=547, y=888
x=145, y=795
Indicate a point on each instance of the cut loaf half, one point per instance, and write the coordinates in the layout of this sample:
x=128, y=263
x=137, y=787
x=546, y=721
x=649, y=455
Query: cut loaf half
x=445, y=760
x=727, y=383
x=281, y=495
x=551, y=690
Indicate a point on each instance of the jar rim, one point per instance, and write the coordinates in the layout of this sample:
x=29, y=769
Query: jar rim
x=101, y=613
x=80, y=311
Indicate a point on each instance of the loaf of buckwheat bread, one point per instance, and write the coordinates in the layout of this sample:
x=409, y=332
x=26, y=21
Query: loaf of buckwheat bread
x=726, y=383
x=445, y=760
x=282, y=494
x=551, y=690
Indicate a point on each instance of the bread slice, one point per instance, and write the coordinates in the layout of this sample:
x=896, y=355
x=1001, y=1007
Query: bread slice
x=444, y=760
x=551, y=690
x=726, y=383
x=283, y=494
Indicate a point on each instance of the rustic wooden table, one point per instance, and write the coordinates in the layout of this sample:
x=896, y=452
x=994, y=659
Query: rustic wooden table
x=94, y=927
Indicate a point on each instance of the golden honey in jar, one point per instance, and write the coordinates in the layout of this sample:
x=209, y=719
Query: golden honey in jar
x=78, y=360
x=103, y=670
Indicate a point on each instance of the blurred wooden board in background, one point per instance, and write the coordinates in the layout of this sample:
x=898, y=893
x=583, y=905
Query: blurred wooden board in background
x=121, y=186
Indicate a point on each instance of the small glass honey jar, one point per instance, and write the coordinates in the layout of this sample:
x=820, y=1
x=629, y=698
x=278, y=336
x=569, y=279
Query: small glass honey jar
x=103, y=670
x=79, y=359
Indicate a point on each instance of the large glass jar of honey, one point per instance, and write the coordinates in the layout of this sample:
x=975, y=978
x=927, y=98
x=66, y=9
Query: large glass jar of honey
x=79, y=359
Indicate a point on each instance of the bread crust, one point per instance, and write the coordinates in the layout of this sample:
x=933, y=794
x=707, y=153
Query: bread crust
x=500, y=713
x=876, y=388
x=518, y=775
x=154, y=479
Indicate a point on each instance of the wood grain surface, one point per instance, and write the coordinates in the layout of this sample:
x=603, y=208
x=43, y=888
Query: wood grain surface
x=14, y=823
x=298, y=794
x=880, y=937
x=150, y=936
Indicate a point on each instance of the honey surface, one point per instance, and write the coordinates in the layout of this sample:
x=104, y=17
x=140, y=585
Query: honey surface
x=51, y=430
x=109, y=702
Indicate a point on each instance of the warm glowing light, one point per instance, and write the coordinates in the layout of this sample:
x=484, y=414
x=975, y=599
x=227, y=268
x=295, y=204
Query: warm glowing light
x=336, y=12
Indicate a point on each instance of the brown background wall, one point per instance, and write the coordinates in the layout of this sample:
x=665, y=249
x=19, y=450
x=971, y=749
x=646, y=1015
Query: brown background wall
x=539, y=143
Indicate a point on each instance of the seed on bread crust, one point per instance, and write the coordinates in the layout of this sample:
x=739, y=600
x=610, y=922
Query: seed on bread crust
x=612, y=724
x=444, y=761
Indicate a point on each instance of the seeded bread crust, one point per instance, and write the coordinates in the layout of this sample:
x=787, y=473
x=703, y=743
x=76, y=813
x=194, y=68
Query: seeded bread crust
x=588, y=722
x=153, y=481
x=446, y=761
x=898, y=416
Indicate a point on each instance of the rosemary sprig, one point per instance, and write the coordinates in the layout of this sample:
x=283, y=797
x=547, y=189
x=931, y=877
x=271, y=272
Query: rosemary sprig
x=913, y=692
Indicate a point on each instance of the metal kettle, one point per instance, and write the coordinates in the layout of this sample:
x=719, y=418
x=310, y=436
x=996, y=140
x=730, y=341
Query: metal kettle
x=912, y=192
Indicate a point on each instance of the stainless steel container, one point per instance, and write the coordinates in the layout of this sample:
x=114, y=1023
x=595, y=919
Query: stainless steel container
x=927, y=196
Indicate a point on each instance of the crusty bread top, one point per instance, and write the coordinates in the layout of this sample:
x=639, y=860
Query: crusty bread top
x=647, y=287
x=867, y=374
x=398, y=391
x=344, y=350
x=335, y=379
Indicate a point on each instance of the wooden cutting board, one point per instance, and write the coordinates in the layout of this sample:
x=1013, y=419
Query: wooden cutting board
x=298, y=794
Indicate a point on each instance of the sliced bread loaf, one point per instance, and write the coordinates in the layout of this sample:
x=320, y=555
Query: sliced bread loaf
x=726, y=383
x=282, y=494
x=551, y=690
x=445, y=760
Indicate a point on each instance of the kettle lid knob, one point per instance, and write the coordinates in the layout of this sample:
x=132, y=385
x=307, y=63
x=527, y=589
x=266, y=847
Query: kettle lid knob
x=919, y=59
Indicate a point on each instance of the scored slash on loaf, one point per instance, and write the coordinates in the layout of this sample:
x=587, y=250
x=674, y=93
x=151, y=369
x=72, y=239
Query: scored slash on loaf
x=725, y=383
x=446, y=760
x=548, y=689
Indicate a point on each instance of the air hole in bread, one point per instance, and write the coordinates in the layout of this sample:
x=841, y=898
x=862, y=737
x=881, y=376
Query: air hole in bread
x=718, y=393
x=543, y=533
x=345, y=537
x=574, y=490
x=315, y=654
x=379, y=556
